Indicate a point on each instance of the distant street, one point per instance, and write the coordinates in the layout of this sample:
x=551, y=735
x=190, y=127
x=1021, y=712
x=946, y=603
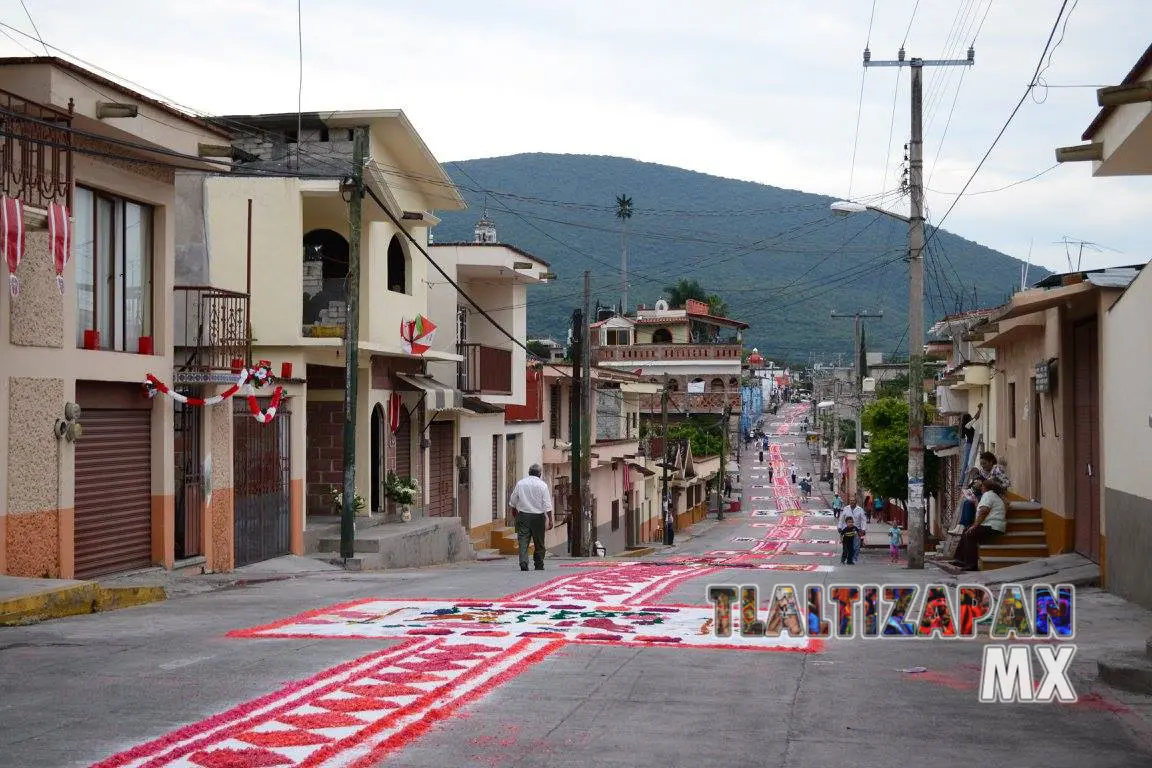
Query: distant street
x=483, y=665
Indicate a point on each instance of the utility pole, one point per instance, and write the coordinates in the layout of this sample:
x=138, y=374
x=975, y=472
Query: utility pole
x=723, y=461
x=351, y=337
x=664, y=498
x=575, y=435
x=858, y=382
x=916, y=517
x=587, y=524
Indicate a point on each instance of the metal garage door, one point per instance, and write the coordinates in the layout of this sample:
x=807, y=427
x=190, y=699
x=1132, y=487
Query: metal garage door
x=404, y=445
x=441, y=482
x=113, y=492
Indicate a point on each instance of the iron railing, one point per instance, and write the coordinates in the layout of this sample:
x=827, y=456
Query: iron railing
x=211, y=324
x=35, y=152
x=640, y=352
x=485, y=370
x=681, y=402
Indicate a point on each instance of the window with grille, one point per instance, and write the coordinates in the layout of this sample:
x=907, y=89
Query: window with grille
x=554, y=405
x=616, y=514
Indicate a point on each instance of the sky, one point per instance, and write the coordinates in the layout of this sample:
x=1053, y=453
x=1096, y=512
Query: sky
x=771, y=91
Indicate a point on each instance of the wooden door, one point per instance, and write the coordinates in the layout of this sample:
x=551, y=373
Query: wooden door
x=441, y=470
x=1086, y=438
x=464, y=483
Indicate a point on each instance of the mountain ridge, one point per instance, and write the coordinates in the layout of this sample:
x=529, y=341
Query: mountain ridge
x=779, y=257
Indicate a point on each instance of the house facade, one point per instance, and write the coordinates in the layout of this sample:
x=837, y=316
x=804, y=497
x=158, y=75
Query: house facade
x=701, y=355
x=277, y=229
x=1049, y=432
x=1119, y=143
x=89, y=487
x=499, y=426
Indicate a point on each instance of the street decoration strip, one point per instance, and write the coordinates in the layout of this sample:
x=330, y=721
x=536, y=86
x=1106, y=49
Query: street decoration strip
x=247, y=381
x=59, y=240
x=12, y=239
x=451, y=653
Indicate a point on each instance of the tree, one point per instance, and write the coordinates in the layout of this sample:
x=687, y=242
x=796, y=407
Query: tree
x=703, y=435
x=717, y=306
x=682, y=291
x=539, y=348
x=884, y=468
x=624, y=212
x=897, y=387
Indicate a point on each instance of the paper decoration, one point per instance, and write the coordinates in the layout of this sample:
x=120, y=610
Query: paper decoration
x=59, y=240
x=12, y=239
x=416, y=336
x=248, y=381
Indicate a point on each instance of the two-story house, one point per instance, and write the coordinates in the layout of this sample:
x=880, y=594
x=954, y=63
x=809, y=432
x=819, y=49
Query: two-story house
x=493, y=451
x=89, y=483
x=278, y=227
x=701, y=355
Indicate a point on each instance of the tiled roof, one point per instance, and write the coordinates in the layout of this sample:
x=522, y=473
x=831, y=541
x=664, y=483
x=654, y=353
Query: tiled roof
x=512, y=248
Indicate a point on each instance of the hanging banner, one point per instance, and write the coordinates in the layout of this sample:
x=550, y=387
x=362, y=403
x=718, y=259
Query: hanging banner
x=395, y=404
x=416, y=336
x=12, y=239
x=59, y=240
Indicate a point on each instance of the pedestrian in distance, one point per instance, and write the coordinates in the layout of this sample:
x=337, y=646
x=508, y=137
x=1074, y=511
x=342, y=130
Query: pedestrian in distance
x=792, y=471
x=848, y=538
x=669, y=523
x=531, y=504
x=761, y=455
x=771, y=471
x=895, y=539
x=837, y=506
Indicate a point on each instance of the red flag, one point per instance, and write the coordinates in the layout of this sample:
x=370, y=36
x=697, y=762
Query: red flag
x=59, y=240
x=12, y=239
x=394, y=406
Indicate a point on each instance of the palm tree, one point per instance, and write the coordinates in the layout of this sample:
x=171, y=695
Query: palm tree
x=683, y=290
x=624, y=212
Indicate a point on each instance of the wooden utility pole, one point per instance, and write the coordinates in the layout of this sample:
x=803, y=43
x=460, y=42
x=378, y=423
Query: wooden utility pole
x=587, y=524
x=575, y=432
x=858, y=376
x=723, y=461
x=665, y=500
x=351, y=337
x=917, y=520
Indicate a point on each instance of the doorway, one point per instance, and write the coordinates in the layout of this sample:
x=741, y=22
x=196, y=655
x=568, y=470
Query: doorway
x=1086, y=438
x=377, y=469
x=464, y=483
x=511, y=470
x=1037, y=437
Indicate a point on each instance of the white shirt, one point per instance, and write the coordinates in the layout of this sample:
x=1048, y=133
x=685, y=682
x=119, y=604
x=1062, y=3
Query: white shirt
x=531, y=497
x=997, y=516
x=856, y=513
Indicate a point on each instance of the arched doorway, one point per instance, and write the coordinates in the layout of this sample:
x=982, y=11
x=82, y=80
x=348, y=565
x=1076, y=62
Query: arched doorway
x=379, y=438
x=398, y=277
x=325, y=272
x=661, y=336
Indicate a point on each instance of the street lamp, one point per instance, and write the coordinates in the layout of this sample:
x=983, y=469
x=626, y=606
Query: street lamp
x=915, y=222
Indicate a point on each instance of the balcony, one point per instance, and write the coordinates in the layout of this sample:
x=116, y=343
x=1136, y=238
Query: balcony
x=35, y=152
x=681, y=402
x=485, y=370
x=210, y=327
x=644, y=352
x=325, y=309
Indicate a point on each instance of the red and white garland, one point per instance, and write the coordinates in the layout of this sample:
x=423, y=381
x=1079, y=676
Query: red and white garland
x=248, y=380
x=13, y=234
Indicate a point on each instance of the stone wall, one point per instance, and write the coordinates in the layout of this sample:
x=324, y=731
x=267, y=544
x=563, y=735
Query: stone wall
x=325, y=455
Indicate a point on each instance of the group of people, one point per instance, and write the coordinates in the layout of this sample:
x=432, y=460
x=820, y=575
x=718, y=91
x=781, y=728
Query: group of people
x=983, y=512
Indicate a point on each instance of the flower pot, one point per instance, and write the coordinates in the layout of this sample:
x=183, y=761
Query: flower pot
x=91, y=339
x=406, y=514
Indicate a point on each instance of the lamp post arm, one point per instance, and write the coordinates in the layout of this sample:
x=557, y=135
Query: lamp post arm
x=889, y=214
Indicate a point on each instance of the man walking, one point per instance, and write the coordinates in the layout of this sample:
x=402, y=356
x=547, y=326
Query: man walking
x=856, y=512
x=532, y=503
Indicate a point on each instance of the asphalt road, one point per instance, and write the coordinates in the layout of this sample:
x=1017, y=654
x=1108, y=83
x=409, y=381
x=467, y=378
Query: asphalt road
x=166, y=685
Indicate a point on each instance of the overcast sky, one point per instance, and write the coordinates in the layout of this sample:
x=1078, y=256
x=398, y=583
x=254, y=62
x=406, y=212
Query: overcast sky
x=762, y=90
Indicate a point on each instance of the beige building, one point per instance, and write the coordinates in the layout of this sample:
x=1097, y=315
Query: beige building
x=277, y=230
x=100, y=502
x=1119, y=143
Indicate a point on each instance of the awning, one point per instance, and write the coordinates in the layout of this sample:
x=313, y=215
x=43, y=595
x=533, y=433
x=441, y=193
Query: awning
x=437, y=396
x=953, y=450
x=1038, y=300
x=641, y=469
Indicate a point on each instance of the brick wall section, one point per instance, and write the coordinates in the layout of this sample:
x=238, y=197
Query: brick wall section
x=325, y=377
x=325, y=454
x=383, y=369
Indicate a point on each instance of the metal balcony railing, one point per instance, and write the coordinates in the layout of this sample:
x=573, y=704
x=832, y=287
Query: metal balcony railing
x=211, y=327
x=681, y=402
x=485, y=370
x=35, y=152
x=642, y=352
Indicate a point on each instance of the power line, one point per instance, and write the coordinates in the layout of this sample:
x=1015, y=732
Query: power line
x=1007, y=122
x=860, y=103
x=33, y=22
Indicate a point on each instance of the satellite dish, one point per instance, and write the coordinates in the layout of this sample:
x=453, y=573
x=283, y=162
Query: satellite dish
x=661, y=306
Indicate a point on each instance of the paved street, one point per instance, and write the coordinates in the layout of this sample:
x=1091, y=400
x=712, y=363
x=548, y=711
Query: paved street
x=584, y=664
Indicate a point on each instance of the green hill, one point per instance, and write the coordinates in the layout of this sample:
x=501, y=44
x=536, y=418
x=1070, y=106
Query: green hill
x=780, y=258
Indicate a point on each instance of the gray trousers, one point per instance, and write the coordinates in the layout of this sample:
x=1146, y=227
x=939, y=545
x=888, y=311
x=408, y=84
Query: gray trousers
x=530, y=526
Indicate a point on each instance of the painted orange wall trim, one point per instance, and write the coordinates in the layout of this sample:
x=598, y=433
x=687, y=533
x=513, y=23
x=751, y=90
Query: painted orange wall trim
x=296, y=516
x=1103, y=561
x=66, y=530
x=32, y=540
x=164, y=530
x=1059, y=531
x=3, y=544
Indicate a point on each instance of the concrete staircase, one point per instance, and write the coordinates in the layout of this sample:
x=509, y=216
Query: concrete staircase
x=1023, y=542
x=1128, y=670
x=421, y=542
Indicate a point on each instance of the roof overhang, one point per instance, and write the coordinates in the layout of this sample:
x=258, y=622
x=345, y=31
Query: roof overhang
x=437, y=396
x=1029, y=302
x=1121, y=133
x=1016, y=332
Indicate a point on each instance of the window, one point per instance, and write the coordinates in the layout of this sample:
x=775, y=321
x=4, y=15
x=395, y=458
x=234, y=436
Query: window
x=1012, y=409
x=717, y=385
x=615, y=514
x=113, y=254
x=661, y=336
x=618, y=337
x=397, y=267
x=554, y=405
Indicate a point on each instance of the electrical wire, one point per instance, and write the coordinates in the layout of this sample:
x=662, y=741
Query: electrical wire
x=1007, y=122
x=34, y=28
x=860, y=103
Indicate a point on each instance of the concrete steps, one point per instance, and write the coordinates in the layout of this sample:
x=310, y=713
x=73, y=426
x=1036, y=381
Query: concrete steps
x=422, y=542
x=1023, y=542
x=1128, y=670
x=503, y=540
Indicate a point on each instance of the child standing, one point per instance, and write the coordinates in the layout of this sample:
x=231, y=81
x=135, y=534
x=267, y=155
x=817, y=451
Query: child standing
x=895, y=538
x=848, y=538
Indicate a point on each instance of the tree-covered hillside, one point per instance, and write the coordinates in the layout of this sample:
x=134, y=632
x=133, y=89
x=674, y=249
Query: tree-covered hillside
x=780, y=258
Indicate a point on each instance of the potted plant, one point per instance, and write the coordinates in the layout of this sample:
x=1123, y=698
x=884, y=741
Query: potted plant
x=337, y=495
x=403, y=491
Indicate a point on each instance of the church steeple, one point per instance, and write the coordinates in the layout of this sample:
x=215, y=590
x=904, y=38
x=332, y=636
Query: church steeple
x=485, y=231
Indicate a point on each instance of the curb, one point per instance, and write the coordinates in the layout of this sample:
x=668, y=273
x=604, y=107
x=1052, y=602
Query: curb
x=74, y=601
